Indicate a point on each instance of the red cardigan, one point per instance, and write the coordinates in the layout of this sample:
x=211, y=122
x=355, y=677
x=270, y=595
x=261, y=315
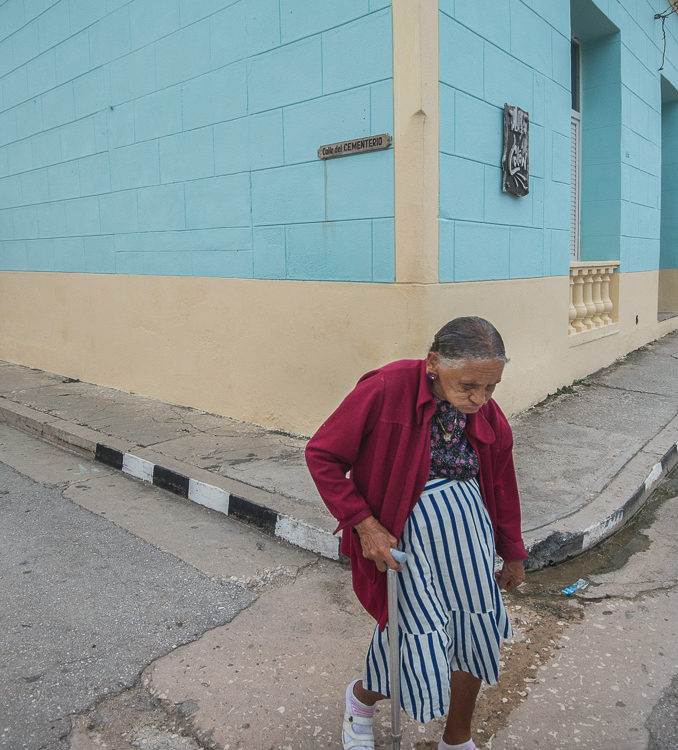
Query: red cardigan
x=380, y=433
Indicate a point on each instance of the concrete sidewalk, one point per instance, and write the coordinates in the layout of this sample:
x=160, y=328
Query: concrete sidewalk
x=586, y=459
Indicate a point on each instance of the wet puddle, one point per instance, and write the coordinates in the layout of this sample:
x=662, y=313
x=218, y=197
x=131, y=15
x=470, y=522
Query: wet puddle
x=608, y=556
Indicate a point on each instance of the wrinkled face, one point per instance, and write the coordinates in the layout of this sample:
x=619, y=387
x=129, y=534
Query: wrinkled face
x=467, y=387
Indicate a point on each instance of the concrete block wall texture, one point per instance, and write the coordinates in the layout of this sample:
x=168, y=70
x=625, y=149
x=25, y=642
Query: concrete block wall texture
x=623, y=42
x=669, y=178
x=601, y=94
x=179, y=137
x=520, y=54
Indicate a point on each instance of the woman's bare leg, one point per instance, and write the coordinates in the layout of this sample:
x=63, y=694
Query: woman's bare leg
x=368, y=697
x=464, y=689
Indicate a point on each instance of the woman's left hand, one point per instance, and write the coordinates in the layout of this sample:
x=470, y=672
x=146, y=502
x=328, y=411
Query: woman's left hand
x=511, y=575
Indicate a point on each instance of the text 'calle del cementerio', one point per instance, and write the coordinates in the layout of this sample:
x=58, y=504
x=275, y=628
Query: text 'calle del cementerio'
x=356, y=146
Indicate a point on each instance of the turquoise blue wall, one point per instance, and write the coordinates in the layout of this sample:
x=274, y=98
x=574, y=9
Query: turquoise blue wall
x=601, y=137
x=519, y=52
x=641, y=57
x=179, y=137
x=669, y=204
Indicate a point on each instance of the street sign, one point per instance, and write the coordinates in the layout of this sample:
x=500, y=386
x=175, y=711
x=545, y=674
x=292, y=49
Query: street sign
x=356, y=146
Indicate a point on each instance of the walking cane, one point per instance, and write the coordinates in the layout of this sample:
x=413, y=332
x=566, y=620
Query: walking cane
x=394, y=646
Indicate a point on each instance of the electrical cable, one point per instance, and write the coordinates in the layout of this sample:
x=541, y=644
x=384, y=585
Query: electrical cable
x=664, y=16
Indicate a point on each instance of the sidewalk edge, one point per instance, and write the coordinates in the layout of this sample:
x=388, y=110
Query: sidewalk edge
x=557, y=547
x=116, y=455
x=560, y=546
x=266, y=519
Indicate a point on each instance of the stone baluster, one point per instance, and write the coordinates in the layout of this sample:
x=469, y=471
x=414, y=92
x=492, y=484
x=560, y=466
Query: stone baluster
x=591, y=305
x=608, y=305
x=596, y=279
x=578, y=300
x=588, y=298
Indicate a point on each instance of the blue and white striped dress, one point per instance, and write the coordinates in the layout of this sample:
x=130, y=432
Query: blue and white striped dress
x=451, y=613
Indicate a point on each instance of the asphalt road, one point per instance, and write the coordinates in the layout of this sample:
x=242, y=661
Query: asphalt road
x=86, y=606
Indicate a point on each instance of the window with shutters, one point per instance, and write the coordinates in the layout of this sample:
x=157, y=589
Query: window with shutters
x=575, y=151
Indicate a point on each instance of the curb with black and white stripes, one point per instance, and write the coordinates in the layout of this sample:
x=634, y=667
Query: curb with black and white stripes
x=560, y=546
x=557, y=547
x=269, y=521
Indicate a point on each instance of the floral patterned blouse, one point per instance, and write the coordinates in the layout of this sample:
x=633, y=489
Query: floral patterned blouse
x=451, y=455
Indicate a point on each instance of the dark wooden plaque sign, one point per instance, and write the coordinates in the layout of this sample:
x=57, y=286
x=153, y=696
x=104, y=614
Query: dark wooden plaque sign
x=515, y=161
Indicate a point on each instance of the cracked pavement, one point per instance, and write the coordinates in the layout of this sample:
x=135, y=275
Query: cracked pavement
x=611, y=683
x=100, y=577
x=597, y=670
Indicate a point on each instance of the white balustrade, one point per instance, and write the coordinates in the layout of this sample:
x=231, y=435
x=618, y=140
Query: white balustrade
x=591, y=305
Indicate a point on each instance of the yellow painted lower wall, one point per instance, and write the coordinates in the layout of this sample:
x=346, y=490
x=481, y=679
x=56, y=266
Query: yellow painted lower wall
x=532, y=316
x=668, y=290
x=282, y=354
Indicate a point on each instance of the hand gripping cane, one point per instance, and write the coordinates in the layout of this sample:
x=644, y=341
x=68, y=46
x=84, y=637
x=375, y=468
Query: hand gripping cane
x=394, y=646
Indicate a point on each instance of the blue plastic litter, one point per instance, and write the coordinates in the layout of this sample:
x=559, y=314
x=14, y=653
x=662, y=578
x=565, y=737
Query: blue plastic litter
x=578, y=586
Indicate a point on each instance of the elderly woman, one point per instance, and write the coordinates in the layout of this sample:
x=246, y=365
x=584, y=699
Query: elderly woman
x=418, y=456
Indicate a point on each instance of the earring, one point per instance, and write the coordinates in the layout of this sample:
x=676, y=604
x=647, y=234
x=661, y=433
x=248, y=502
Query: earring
x=431, y=375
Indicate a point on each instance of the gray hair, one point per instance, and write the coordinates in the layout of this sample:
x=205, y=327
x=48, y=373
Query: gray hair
x=468, y=338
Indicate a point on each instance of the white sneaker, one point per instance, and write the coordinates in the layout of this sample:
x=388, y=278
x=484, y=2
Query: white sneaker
x=363, y=739
x=357, y=740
